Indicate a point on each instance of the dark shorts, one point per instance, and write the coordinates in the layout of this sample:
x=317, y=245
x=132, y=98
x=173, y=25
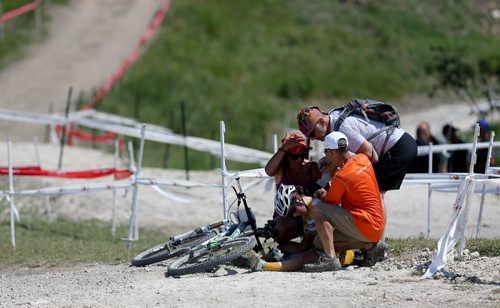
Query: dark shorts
x=392, y=167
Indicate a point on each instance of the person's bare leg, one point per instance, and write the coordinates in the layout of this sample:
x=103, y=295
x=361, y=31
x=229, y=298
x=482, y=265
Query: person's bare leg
x=295, y=263
x=382, y=195
x=325, y=232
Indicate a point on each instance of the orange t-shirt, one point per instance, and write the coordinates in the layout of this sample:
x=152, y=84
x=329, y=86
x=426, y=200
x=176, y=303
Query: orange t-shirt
x=355, y=188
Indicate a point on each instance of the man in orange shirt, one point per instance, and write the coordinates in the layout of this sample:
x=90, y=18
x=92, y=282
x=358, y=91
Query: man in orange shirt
x=350, y=215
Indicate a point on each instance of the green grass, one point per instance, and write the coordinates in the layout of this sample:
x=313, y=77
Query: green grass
x=67, y=242
x=253, y=64
x=485, y=247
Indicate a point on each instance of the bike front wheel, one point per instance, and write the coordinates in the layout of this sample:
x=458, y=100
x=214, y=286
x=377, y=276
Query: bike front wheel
x=169, y=249
x=208, y=258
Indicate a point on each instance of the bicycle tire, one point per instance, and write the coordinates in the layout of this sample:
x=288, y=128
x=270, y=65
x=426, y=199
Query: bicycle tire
x=169, y=249
x=207, y=259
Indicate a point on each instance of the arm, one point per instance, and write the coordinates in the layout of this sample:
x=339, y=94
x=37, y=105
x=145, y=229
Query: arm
x=368, y=149
x=273, y=166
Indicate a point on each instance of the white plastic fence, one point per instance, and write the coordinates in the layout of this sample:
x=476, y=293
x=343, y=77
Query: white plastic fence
x=464, y=184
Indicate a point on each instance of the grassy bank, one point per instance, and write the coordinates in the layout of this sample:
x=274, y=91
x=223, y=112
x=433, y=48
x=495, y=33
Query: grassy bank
x=69, y=242
x=254, y=64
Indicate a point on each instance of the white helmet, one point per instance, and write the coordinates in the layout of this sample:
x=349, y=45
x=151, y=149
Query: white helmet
x=284, y=199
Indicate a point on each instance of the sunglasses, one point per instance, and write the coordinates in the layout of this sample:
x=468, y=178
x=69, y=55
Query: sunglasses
x=297, y=156
x=311, y=134
x=303, y=121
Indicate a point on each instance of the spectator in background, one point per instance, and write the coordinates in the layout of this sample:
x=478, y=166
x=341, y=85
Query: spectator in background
x=482, y=154
x=457, y=161
x=421, y=164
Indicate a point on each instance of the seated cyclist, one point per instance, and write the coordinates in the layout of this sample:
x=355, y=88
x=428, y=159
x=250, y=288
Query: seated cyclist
x=291, y=201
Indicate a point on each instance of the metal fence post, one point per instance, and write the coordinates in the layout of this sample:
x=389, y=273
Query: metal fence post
x=2, y=31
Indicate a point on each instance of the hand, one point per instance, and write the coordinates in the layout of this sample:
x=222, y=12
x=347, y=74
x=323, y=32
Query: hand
x=290, y=143
x=320, y=194
x=293, y=140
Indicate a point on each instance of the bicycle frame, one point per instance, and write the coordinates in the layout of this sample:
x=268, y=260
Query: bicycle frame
x=205, y=229
x=236, y=230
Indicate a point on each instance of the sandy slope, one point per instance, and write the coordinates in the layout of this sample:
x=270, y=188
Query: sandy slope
x=87, y=41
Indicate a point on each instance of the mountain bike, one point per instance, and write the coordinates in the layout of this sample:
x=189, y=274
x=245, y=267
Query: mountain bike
x=180, y=244
x=225, y=247
x=177, y=245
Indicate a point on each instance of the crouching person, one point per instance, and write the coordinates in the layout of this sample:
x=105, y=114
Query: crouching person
x=350, y=214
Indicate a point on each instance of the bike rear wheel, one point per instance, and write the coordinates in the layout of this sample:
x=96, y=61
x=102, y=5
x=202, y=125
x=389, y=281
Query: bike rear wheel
x=170, y=249
x=207, y=259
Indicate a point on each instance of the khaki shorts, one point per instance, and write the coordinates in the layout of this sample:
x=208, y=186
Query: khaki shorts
x=344, y=228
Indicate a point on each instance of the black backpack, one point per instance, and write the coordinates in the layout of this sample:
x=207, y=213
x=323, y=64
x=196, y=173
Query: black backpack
x=371, y=110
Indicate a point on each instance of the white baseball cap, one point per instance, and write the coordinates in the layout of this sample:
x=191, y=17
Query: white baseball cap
x=336, y=140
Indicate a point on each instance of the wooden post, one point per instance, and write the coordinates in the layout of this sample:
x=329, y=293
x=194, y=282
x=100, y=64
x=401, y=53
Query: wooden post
x=48, y=126
x=63, y=135
x=186, y=158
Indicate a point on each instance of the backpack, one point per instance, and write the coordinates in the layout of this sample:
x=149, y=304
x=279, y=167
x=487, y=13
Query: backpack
x=371, y=110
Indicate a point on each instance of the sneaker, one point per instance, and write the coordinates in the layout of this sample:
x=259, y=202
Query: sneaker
x=375, y=254
x=274, y=255
x=255, y=263
x=323, y=264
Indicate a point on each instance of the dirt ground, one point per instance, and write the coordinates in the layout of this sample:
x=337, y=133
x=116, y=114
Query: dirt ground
x=86, y=62
x=473, y=281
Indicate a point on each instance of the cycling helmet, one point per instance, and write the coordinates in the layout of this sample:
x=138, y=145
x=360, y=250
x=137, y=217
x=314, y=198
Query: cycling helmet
x=284, y=199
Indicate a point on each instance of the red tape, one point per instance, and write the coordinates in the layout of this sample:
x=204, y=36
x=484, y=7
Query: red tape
x=85, y=136
x=20, y=11
x=84, y=174
x=157, y=20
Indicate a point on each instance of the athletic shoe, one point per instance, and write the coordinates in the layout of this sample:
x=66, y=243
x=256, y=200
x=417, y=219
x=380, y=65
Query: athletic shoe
x=274, y=255
x=324, y=264
x=375, y=254
x=255, y=263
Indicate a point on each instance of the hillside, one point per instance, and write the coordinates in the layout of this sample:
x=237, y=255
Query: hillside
x=85, y=43
x=254, y=64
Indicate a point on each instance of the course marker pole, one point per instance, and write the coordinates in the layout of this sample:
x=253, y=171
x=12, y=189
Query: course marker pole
x=133, y=227
x=113, y=209
x=488, y=162
x=429, y=192
x=223, y=169
x=470, y=191
x=13, y=211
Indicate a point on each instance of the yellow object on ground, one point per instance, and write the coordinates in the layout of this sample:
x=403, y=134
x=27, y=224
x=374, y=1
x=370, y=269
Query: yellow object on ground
x=346, y=257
